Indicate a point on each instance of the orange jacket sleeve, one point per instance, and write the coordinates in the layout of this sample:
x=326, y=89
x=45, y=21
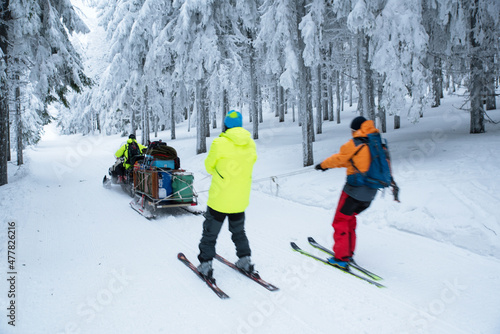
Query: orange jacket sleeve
x=346, y=153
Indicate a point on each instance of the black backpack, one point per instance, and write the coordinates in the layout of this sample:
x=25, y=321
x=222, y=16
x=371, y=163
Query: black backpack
x=133, y=151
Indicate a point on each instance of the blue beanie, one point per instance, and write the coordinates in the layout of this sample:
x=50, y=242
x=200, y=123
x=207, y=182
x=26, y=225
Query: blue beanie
x=233, y=119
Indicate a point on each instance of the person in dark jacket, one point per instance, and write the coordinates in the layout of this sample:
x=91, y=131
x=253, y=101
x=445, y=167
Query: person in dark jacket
x=353, y=199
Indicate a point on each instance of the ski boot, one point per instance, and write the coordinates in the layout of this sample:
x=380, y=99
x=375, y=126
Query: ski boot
x=245, y=264
x=205, y=269
x=344, y=265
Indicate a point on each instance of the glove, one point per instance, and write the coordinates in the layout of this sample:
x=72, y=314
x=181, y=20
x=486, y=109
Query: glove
x=318, y=167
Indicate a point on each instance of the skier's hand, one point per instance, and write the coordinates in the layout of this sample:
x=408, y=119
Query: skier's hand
x=318, y=167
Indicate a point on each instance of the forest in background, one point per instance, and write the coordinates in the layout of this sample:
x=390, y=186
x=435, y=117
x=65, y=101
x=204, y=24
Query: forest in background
x=167, y=62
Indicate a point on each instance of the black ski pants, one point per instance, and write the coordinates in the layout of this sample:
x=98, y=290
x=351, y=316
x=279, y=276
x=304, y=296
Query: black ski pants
x=211, y=228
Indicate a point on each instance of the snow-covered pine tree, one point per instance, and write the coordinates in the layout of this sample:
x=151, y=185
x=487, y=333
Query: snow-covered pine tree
x=37, y=47
x=120, y=90
x=399, y=43
x=195, y=41
x=437, y=28
x=393, y=46
x=250, y=20
x=481, y=17
x=311, y=32
x=361, y=21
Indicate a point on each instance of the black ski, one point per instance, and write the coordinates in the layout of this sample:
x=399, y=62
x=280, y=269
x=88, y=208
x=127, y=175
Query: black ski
x=347, y=271
x=210, y=281
x=352, y=263
x=253, y=276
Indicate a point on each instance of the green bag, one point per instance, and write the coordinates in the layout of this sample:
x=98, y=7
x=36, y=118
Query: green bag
x=182, y=187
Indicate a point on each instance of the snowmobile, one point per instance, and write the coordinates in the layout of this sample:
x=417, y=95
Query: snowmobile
x=126, y=182
x=156, y=181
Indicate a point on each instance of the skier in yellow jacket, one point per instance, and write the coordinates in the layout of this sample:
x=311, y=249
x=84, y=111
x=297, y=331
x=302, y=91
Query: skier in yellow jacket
x=230, y=162
x=123, y=152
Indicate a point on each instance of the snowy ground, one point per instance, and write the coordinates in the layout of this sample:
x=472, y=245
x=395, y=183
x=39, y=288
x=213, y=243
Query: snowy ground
x=87, y=263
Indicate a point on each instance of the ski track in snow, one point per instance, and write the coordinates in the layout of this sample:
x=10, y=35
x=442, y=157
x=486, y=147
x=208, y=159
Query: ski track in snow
x=90, y=264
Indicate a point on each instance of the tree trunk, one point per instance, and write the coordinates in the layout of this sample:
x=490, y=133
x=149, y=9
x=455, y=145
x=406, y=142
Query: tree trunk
x=214, y=118
x=397, y=121
x=331, y=82
x=98, y=122
x=366, y=77
x=330, y=100
x=476, y=105
x=259, y=100
x=253, y=87
x=491, y=103
x=225, y=107
x=4, y=89
x=19, y=123
x=370, y=85
x=145, y=118
x=309, y=106
x=437, y=82
x=490, y=43
x=206, y=110
x=319, y=116
x=360, y=83
x=201, y=136
x=477, y=74
x=325, y=83
x=381, y=109
x=4, y=132
x=276, y=99
x=351, y=49
x=133, y=127
x=172, y=116
x=337, y=94
x=281, y=104
x=304, y=94
x=342, y=91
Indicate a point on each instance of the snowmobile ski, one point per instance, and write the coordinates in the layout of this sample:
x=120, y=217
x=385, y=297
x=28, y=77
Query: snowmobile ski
x=139, y=204
x=352, y=263
x=106, y=182
x=347, y=271
x=209, y=281
x=254, y=276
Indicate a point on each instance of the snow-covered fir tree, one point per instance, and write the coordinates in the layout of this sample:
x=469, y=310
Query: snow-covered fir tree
x=172, y=61
x=39, y=64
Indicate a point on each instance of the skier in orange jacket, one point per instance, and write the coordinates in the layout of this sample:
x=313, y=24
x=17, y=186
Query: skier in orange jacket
x=354, y=199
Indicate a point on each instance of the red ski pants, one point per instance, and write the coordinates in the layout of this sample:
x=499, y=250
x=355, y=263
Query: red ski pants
x=344, y=225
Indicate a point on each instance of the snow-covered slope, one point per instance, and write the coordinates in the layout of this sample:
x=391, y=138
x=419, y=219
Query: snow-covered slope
x=87, y=263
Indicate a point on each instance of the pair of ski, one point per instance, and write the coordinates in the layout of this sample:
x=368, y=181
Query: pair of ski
x=210, y=281
x=371, y=277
